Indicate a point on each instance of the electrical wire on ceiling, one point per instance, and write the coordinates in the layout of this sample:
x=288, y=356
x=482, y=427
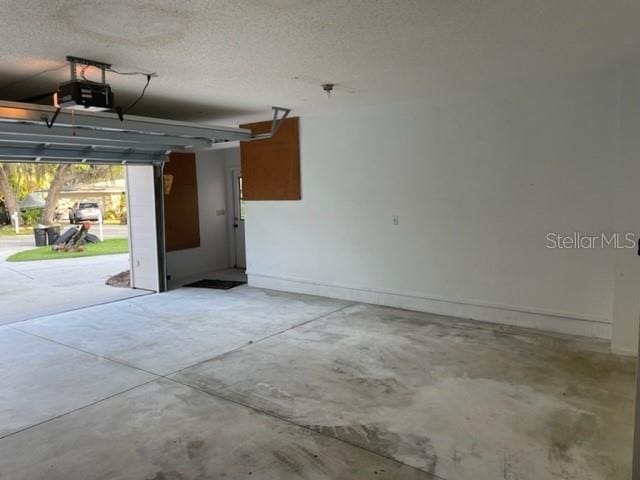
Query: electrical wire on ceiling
x=100, y=88
x=152, y=74
x=65, y=65
x=32, y=76
x=95, y=86
x=144, y=90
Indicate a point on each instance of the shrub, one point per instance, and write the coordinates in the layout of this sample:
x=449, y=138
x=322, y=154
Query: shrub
x=30, y=216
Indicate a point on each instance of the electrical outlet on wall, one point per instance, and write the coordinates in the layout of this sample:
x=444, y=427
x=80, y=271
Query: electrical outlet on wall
x=396, y=220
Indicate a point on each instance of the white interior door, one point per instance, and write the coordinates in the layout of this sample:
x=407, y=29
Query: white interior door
x=238, y=219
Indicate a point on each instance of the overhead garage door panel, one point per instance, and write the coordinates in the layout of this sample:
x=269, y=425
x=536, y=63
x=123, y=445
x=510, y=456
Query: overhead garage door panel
x=40, y=133
x=27, y=152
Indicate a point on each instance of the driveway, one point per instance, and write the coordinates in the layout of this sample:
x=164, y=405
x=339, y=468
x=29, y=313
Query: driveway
x=33, y=289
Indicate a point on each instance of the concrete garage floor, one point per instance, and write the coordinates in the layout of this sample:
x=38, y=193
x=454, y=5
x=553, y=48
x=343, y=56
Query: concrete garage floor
x=246, y=383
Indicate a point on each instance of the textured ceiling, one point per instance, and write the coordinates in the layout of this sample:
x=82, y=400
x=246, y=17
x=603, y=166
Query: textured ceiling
x=231, y=59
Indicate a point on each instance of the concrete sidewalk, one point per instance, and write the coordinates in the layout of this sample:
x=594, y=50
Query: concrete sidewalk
x=33, y=289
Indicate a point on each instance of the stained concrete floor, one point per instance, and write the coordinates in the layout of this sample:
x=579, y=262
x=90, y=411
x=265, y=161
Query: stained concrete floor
x=205, y=384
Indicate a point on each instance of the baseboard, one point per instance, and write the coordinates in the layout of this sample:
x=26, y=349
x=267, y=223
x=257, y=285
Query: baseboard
x=627, y=352
x=502, y=314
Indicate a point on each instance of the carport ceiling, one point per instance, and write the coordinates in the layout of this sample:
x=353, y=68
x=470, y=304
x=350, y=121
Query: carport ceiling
x=224, y=59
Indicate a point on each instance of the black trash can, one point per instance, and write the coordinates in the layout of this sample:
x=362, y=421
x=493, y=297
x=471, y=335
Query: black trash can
x=53, y=234
x=40, y=234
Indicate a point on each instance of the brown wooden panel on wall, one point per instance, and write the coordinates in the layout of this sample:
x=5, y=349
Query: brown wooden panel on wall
x=181, y=216
x=271, y=168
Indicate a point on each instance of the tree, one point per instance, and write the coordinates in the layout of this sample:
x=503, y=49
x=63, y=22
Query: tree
x=63, y=174
x=26, y=178
x=8, y=193
x=66, y=174
x=20, y=179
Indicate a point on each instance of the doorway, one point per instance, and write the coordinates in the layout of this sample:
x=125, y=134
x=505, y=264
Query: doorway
x=66, y=244
x=238, y=217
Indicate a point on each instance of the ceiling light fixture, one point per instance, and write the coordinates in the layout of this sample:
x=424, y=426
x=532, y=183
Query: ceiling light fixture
x=328, y=88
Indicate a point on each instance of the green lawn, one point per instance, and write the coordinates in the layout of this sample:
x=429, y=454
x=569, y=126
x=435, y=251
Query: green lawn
x=8, y=230
x=108, y=247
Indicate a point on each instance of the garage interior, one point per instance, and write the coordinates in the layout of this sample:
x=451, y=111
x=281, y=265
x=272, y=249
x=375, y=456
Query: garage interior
x=436, y=224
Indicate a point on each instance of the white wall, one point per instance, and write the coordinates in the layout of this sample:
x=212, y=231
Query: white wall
x=627, y=213
x=188, y=265
x=143, y=249
x=478, y=180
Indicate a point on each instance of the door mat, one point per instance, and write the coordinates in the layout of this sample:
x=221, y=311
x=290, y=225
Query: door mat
x=217, y=284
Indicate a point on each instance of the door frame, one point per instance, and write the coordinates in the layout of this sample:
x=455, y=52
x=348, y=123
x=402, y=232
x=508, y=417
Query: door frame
x=231, y=213
x=636, y=432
